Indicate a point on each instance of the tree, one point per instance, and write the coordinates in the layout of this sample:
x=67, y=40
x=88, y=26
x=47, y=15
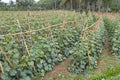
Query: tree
x=3, y=6
x=115, y=5
x=24, y=3
x=81, y=5
x=49, y=4
x=11, y=3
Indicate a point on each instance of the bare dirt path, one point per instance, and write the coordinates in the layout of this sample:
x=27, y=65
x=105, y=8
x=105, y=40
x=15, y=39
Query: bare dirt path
x=58, y=70
x=105, y=54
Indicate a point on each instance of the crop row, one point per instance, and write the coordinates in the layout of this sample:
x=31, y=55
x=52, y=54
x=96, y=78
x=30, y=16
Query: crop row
x=88, y=49
x=113, y=29
x=31, y=21
x=30, y=56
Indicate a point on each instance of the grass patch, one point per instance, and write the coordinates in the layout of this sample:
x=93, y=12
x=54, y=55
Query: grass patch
x=109, y=74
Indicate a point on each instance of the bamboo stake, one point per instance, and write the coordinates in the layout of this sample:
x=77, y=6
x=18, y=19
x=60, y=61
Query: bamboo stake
x=8, y=60
x=23, y=38
x=2, y=70
x=19, y=33
x=86, y=28
x=64, y=21
x=50, y=32
x=75, y=17
x=29, y=27
x=88, y=55
x=84, y=35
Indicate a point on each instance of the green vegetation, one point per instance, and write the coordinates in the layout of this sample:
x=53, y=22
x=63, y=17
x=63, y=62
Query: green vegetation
x=89, y=48
x=29, y=51
x=107, y=75
x=113, y=29
x=78, y=5
x=34, y=43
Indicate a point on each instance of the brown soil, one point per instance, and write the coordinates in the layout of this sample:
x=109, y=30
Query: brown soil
x=102, y=62
x=59, y=69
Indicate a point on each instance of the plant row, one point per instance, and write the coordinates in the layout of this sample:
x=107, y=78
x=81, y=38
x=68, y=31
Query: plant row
x=30, y=56
x=113, y=29
x=88, y=49
x=34, y=21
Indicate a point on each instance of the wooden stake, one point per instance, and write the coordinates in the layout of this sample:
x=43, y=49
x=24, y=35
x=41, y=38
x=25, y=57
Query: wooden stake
x=23, y=38
x=8, y=60
x=1, y=68
x=29, y=27
x=56, y=25
x=88, y=54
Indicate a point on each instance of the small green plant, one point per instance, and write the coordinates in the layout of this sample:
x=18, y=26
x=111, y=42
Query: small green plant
x=107, y=74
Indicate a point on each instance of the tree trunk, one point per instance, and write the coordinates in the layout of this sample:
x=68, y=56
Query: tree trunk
x=55, y=3
x=79, y=4
x=71, y=4
x=88, y=5
x=99, y=5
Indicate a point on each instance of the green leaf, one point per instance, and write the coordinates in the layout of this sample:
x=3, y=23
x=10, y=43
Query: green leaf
x=13, y=72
